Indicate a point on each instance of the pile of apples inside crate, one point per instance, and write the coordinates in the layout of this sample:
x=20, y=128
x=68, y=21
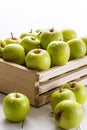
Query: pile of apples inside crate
x=41, y=50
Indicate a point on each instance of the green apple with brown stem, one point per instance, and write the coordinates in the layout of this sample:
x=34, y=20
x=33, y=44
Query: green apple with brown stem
x=38, y=59
x=29, y=43
x=60, y=95
x=50, y=35
x=12, y=39
x=68, y=114
x=78, y=89
x=30, y=33
x=16, y=106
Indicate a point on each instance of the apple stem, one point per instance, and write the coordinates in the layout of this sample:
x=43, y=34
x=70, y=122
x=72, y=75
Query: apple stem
x=12, y=35
x=31, y=31
x=33, y=38
x=60, y=89
x=51, y=30
x=39, y=34
x=17, y=96
x=74, y=85
x=37, y=51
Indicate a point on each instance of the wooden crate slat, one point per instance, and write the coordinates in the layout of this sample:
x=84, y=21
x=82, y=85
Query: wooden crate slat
x=55, y=71
x=45, y=98
x=16, y=78
x=72, y=75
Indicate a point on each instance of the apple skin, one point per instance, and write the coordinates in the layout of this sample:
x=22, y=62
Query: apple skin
x=14, y=53
x=50, y=35
x=59, y=52
x=38, y=59
x=77, y=48
x=39, y=31
x=16, y=106
x=31, y=33
x=79, y=90
x=2, y=46
x=60, y=95
x=12, y=39
x=84, y=38
x=68, y=114
x=68, y=34
x=29, y=43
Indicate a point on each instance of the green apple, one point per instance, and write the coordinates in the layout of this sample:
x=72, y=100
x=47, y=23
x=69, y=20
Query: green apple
x=77, y=48
x=60, y=95
x=84, y=38
x=68, y=34
x=16, y=106
x=79, y=90
x=30, y=33
x=39, y=32
x=59, y=52
x=50, y=35
x=68, y=114
x=12, y=39
x=2, y=46
x=38, y=59
x=29, y=43
x=14, y=53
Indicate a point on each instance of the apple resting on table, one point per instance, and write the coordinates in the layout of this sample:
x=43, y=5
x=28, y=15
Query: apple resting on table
x=60, y=95
x=79, y=90
x=16, y=106
x=68, y=114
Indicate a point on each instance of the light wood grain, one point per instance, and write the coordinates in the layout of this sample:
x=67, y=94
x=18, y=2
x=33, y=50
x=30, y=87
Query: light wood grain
x=59, y=80
x=16, y=78
x=58, y=70
x=36, y=85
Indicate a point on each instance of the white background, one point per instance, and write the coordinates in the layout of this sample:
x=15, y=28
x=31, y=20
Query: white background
x=19, y=16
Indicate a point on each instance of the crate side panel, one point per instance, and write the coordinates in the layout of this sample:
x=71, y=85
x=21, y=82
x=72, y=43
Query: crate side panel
x=13, y=78
x=59, y=80
x=58, y=70
x=45, y=98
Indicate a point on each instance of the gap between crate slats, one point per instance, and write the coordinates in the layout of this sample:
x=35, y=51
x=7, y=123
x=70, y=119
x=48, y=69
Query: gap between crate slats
x=72, y=75
x=55, y=71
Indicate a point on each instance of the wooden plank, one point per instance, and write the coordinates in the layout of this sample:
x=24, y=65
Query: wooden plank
x=45, y=97
x=69, y=76
x=16, y=78
x=55, y=71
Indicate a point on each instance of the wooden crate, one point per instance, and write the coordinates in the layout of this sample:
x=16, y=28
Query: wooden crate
x=39, y=85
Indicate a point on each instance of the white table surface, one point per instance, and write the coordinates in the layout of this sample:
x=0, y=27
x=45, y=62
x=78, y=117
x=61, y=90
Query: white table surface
x=38, y=119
